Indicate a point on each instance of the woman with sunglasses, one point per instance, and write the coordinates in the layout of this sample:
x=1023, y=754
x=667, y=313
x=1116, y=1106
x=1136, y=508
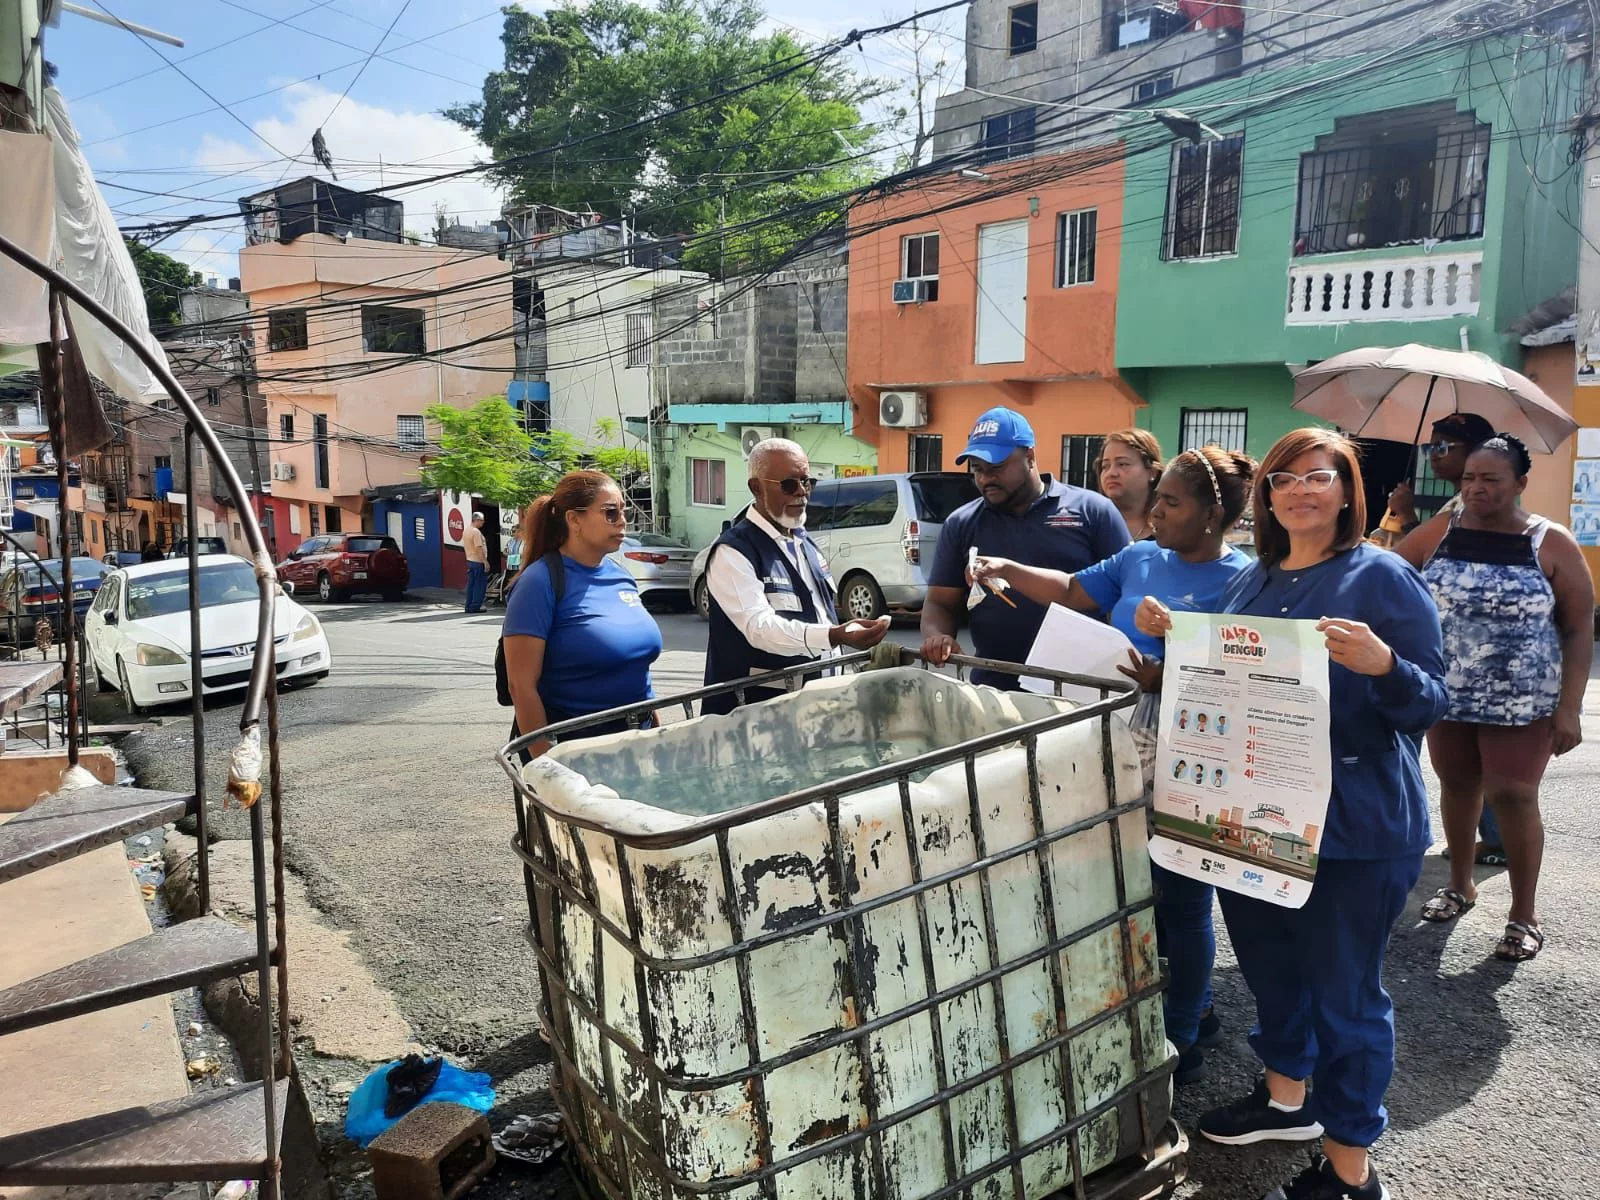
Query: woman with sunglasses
x=577, y=638
x=1197, y=500
x=1317, y=972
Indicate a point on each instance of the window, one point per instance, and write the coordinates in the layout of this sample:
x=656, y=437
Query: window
x=334, y=519
x=927, y=452
x=1223, y=427
x=419, y=529
x=214, y=397
x=1393, y=178
x=315, y=511
x=163, y=462
x=1024, y=29
x=865, y=504
x=1149, y=89
x=319, y=438
x=1075, y=239
x=1010, y=135
x=1079, y=453
x=393, y=330
x=286, y=330
x=409, y=432
x=919, y=259
x=639, y=337
x=1203, y=199
x=708, y=482
x=286, y=427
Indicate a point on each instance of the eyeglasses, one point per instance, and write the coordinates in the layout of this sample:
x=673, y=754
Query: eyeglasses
x=1442, y=446
x=1312, y=481
x=793, y=487
x=613, y=513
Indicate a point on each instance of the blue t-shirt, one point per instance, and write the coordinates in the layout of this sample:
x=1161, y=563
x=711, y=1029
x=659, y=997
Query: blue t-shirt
x=1065, y=529
x=1120, y=582
x=598, y=646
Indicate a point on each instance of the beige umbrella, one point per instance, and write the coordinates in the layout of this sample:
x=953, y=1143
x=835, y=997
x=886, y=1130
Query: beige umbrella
x=1395, y=394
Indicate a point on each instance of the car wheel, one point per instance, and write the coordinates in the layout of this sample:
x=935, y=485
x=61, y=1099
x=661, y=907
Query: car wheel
x=393, y=595
x=860, y=599
x=123, y=686
x=326, y=592
x=702, y=600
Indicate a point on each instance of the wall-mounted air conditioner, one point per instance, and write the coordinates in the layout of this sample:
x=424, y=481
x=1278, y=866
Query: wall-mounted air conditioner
x=903, y=410
x=283, y=470
x=751, y=435
x=910, y=291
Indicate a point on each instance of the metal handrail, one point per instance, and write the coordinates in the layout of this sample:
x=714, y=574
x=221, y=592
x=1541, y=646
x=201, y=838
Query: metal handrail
x=263, y=672
x=13, y=620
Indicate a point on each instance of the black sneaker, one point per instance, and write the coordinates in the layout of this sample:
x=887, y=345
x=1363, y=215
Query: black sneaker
x=1210, y=1029
x=1318, y=1182
x=1191, y=1066
x=1255, y=1119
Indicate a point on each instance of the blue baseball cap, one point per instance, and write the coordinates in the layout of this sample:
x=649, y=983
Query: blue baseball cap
x=995, y=435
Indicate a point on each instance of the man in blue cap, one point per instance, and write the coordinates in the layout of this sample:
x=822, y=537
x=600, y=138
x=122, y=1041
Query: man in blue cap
x=1020, y=515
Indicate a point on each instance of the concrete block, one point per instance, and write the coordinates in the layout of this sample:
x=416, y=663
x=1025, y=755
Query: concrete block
x=435, y=1152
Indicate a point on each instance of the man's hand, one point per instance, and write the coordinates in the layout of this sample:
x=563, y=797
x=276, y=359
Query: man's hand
x=859, y=635
x=938, y=647
x=1403, y=504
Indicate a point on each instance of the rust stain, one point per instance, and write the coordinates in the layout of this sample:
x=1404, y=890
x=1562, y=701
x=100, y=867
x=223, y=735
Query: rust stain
x=852, y=1018
x=821, y=1131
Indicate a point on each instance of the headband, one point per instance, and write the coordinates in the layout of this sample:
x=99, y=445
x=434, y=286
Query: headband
x=1216, y=488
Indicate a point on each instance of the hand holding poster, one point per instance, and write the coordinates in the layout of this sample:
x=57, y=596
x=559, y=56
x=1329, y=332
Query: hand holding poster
x=1243, y=769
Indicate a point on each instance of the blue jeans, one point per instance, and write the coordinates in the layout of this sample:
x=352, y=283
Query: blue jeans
x=1186, y=937
x=1489, y=828
x=477, y=586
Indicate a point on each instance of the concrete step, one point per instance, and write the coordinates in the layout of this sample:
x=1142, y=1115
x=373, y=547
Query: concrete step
x=71, y=823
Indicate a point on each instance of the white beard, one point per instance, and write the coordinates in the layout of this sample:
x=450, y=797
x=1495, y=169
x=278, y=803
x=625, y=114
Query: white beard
x=784, y=521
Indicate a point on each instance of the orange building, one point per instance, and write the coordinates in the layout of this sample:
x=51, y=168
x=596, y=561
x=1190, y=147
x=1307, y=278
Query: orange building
x=958, y=304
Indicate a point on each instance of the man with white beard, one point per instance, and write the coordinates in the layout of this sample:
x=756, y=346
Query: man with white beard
x=771, y=597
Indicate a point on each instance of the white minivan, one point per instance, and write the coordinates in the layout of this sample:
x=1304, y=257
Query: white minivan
x=878, y=533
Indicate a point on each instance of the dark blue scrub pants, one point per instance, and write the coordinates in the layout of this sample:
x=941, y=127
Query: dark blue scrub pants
x=1188, y=941
x=1317, y=976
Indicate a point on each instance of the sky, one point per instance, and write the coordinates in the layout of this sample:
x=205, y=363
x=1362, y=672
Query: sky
x=232, y=112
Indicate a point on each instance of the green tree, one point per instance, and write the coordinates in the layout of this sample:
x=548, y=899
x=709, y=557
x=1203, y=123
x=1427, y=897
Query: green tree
x=162, y=279
x=486, y=452
x=738, y=157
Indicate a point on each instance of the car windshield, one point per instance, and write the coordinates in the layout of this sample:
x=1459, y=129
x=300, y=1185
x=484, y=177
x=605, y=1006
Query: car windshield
x=938, y=496
x=369, y=545
x=658, y=539
x=82, y=569
x=168, y=592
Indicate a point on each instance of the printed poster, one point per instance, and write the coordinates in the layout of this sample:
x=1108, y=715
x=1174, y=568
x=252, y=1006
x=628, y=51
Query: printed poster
x=1586, y=481
x=1243, y=768
x=1585, y=524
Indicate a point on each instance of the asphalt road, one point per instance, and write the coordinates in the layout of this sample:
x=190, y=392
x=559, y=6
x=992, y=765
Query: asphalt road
x=398, y=820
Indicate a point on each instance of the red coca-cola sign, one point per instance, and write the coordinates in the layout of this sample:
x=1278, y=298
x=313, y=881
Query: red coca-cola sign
x=456, y=524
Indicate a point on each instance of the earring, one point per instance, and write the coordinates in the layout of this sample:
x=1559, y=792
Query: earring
x=1208, y=529
x=1346, y=504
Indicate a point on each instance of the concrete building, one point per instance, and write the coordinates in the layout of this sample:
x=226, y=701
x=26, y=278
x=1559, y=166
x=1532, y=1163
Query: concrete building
x=357, y=338
x=746, y=359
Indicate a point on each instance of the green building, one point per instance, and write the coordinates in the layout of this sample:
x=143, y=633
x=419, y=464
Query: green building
x=1378, y=200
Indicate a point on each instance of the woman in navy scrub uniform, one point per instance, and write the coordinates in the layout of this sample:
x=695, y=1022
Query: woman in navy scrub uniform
x=1317, y=972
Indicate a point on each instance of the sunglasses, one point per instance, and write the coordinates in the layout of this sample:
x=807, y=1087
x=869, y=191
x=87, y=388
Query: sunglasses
x=1312, y=481
x=793, y=487
x=613, y=513
x=1442, y=446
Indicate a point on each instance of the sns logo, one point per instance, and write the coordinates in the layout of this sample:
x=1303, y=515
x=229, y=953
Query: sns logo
x=1212, y=865
x=1252, y=876
x=1240, y=642
x=985, y=429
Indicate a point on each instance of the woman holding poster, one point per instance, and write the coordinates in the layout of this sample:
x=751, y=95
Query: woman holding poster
x=1317, y=972
x=1198, y=499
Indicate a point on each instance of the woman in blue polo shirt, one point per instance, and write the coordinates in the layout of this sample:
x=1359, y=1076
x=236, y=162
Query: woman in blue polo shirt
x=581, y=643
x=1317, y=972
x=1199, y=497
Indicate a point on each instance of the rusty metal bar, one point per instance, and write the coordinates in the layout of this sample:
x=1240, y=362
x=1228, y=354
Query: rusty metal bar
x=197, y=710
x=55, y=378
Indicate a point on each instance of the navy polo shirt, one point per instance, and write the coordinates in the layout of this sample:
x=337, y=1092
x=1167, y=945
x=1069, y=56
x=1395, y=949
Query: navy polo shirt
x=1066, y=529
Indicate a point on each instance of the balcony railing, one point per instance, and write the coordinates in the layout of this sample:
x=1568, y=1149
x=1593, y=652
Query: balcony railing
x=1381, y=287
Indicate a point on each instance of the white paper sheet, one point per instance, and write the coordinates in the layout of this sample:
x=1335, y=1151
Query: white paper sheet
x=1070, y=641
x=1589, y=443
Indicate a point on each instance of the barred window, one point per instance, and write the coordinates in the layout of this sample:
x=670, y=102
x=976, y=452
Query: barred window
x=1203, y=199
x=409, y=432
x=1009, y=135
x=1079, y=453
x=639, y=339
x=1075, y=245
x=1224, y=427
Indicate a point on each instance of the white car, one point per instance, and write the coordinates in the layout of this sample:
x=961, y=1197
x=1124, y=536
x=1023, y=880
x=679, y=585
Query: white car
x=138, y=631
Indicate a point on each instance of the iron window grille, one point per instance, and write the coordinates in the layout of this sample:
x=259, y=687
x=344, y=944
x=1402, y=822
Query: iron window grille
x=1224, y=427
x=319, y=436
x=410, y=433
x=286, y=427
x=393, y=330
x=1391, y=179
x=926, y=452
x=919, y=259
x=1079, y=454
x=1024, y=29
x=1075, y=247
x=314, y=514
x=214, y=397
x=1149, y=89
x=1203, y=199
x=1007, y=136
x=640, y=330
x=286, y=330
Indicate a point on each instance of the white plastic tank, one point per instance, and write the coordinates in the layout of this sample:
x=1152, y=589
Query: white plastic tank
x=820, y=998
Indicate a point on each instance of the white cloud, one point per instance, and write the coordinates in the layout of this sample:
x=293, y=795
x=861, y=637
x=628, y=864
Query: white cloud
x=371, y=147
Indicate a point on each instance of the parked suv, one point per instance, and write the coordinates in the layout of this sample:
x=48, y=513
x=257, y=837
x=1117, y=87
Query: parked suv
x=336, y=566
x=878, y=533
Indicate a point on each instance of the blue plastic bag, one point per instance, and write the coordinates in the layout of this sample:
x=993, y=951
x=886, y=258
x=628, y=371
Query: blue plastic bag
x=364, y=1119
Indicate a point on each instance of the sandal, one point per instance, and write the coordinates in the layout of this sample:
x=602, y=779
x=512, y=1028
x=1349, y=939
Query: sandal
x=1520, y=943
x=1490, y=856
x=1446, y=905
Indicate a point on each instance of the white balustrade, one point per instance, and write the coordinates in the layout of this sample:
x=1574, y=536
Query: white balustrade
x=1383, y=287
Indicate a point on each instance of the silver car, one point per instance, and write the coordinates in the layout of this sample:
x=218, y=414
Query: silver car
x=878, y=534
x=659, y=565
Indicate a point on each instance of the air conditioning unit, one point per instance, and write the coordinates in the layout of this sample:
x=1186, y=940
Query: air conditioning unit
x=283, y=470
x=750, y=435
x=910, y=291
x=903, y=410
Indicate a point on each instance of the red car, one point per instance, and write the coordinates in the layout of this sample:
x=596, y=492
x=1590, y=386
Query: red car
x=336, y=566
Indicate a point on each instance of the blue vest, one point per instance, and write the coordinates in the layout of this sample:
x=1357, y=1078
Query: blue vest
x=728, y=655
